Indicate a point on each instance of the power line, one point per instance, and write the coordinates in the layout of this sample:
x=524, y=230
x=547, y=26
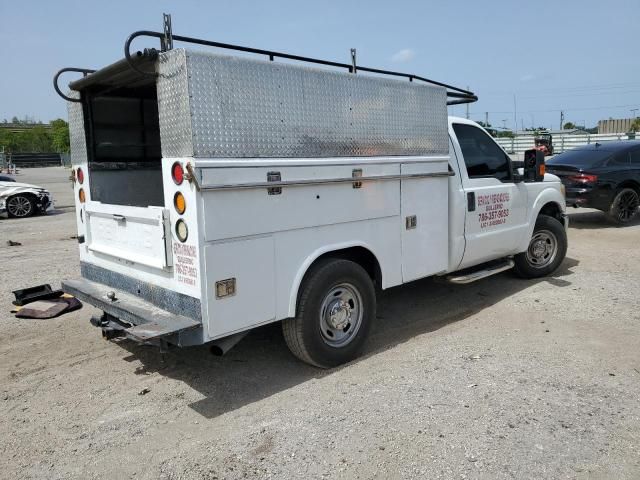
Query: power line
x=552, y=95
x=603, y=107
x=585, y=88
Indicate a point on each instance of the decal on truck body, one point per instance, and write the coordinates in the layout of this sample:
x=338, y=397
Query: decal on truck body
x=493, y=209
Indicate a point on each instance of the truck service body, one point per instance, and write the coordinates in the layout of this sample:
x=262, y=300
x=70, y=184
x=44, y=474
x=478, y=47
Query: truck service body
x=218, y=193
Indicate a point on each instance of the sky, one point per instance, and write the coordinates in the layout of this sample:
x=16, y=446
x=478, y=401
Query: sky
x=535, y=57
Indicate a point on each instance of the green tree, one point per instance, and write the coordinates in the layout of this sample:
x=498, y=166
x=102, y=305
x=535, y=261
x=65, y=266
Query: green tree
x=635, y=125
x=505, y=134
x=60, y=136
x=569, y=126
x=37, y=139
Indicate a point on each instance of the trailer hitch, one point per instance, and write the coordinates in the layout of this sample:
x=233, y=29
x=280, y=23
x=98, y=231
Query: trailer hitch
x=111, y=328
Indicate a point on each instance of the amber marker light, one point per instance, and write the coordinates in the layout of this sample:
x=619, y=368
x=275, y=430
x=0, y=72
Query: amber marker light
x=179, y=203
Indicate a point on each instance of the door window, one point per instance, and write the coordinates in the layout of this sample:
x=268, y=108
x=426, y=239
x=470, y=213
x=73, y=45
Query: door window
x=619, y=160
x=482, y=156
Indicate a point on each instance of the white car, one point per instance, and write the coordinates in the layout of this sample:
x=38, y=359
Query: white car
x=23, y=200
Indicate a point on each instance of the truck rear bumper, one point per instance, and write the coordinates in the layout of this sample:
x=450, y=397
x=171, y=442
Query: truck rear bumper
x=140, y=320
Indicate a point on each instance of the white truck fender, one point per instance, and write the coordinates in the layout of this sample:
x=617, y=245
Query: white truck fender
x=304, y=267
x=547, y=195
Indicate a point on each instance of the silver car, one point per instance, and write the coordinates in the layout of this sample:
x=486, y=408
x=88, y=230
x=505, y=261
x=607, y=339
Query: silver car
x=23, y=200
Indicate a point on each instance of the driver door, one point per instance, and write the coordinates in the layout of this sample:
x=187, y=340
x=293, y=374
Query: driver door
x=496, y=206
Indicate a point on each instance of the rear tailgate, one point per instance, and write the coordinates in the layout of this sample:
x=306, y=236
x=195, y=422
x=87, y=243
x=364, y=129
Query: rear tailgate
x=137, y=234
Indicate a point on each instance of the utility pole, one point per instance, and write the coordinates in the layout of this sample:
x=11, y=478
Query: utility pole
x=561, y=119
x=515, y=114
x=486, y=119
x=467, y=107
x=633, y=113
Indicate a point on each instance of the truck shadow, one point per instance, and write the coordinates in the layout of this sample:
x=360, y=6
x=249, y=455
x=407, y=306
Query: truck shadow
x=595, y=219
x=261, y=366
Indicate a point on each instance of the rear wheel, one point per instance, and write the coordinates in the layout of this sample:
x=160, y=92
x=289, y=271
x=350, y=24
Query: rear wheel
x=546, y=251
x=20, y=206
x=624, y=206
x=336, y=308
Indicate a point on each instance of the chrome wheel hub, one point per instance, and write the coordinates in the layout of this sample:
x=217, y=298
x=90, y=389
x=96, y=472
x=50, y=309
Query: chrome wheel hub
x=340, y=315
x=538, y=249
x=543, y=249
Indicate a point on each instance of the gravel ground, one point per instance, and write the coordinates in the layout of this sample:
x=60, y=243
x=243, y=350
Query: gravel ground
x=502, y=378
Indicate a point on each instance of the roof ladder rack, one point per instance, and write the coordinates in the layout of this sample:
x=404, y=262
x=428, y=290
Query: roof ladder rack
x=455, y=95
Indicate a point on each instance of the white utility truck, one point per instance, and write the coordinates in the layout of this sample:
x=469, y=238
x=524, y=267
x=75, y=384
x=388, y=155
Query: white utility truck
x=218, y=193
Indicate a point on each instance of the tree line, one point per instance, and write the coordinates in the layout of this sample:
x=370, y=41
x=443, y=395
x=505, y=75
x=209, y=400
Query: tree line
x=35, y=139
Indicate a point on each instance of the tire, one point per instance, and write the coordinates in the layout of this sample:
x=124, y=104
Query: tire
x=546, y=251
x=20, y=206
x=624, y=206
x=319, y=338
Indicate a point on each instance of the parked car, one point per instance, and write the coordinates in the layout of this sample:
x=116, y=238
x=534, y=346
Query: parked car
x=22, y=199
x=605, y=176
x=6, y=178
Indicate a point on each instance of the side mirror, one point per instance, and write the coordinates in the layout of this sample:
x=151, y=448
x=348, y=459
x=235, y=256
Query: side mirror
x=534, y=166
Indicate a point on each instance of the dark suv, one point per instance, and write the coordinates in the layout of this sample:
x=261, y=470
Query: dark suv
x=605, y=176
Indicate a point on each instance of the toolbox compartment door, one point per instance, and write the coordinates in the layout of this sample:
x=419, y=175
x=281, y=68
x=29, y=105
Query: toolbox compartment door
x=425, y=220
x=133, y=234
x=250, y=265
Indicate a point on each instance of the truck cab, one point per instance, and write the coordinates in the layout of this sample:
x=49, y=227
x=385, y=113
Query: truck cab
x=492, y=210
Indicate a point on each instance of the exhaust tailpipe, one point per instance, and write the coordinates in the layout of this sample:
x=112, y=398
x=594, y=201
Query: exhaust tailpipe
x=223, y=345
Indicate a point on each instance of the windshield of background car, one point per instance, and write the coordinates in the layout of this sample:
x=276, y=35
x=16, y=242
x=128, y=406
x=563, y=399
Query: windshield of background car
x=590, y=157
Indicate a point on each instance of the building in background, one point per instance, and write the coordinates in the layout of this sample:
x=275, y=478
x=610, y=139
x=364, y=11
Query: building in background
x=564, y=131
x=619, y=125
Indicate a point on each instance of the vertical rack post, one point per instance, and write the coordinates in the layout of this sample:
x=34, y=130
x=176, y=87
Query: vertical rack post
x=166, y=42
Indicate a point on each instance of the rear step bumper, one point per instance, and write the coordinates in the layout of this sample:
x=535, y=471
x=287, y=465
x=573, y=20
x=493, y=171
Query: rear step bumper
x=142, y=321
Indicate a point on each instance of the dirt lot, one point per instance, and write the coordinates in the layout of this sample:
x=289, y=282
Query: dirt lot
x=503, y=378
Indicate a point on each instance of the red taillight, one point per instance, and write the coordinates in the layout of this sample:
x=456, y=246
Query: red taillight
x=80, y=176
x=177, y=173
x=583, y=178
